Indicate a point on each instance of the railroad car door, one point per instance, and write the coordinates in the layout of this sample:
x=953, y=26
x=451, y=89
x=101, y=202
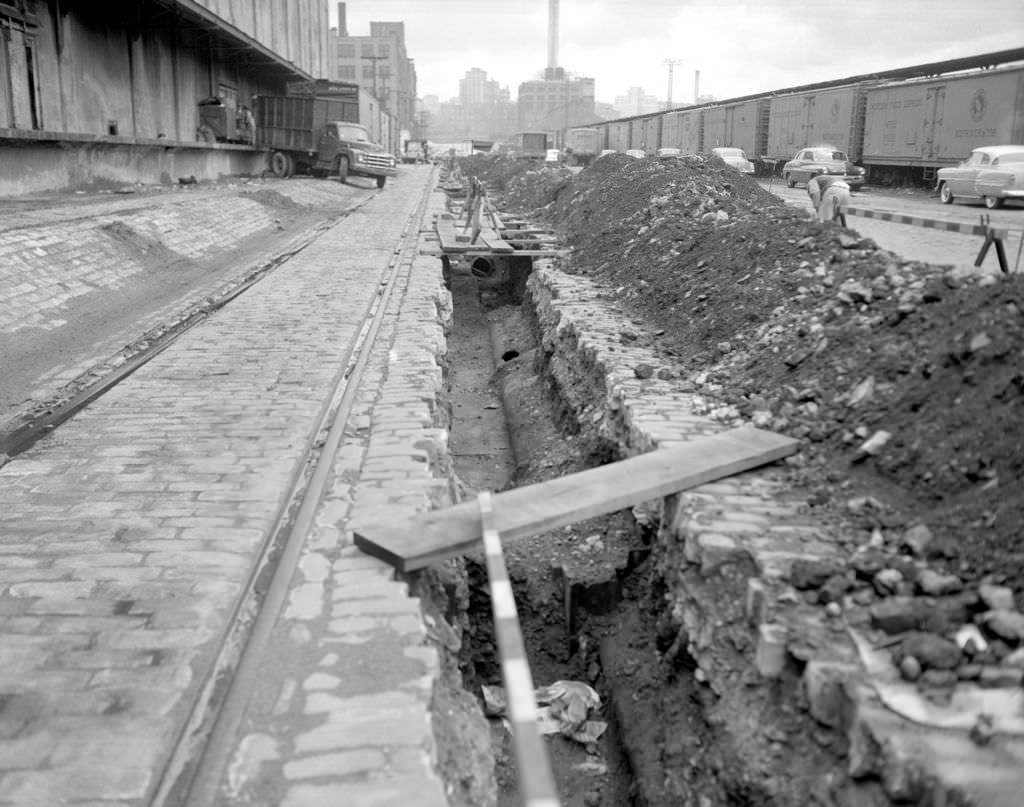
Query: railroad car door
x=933, y=107
x=1017, y=133
x=807, y=124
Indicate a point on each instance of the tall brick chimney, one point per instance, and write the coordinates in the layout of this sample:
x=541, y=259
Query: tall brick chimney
x=342, y=22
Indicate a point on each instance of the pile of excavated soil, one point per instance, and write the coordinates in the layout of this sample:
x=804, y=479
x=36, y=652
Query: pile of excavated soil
x=904, y=381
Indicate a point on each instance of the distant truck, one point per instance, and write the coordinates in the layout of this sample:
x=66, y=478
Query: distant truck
x=415, y=152
x=581, y=145
x=321, y=136
x=531, y=145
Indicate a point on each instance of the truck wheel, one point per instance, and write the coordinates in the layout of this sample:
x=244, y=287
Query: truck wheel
x=281, y=164
x=342, y=169
x=380, y=181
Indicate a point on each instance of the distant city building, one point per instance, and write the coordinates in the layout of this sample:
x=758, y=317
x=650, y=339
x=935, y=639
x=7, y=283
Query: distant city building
x=483, y=110
x=636, y=102
x=380, y=64
x=555, y=104
x=476, y=88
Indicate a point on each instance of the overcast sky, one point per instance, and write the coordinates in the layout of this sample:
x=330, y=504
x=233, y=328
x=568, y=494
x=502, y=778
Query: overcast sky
x=740, y=48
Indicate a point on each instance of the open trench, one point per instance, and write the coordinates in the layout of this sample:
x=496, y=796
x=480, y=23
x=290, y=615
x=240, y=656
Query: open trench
x=584, y=593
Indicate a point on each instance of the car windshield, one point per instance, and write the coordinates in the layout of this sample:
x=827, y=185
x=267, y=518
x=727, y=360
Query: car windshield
x=357, y=133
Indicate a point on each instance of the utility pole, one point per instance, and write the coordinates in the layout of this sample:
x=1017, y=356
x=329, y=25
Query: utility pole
x=374, y=60
x=671, y=66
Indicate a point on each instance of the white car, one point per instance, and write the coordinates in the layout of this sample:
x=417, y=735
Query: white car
x=638, y=153
x=735, y=158
x=992, y=174
x=669, y=153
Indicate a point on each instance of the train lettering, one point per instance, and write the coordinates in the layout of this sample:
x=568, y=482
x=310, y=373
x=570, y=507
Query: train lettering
x=974, y=133
x=912, y=102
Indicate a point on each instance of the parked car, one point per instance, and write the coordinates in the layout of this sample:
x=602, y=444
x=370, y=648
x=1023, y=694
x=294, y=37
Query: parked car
x=812, y=162
x=734, y=157
x=638, y=153
x=992, y=174
x=605, y=152
x=669, y=153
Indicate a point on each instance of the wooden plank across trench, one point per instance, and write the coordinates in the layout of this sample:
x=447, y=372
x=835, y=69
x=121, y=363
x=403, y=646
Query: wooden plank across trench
x=427, y=538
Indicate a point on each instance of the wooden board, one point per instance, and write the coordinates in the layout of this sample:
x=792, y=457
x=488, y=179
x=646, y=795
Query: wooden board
x=431, y=537
x=494, y=242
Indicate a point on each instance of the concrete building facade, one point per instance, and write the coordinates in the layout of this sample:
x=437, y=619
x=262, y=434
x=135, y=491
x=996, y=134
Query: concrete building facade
x=380, y=64
x=555, y=104
x=94, y=93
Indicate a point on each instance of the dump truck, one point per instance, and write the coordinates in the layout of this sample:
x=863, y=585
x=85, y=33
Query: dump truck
x=321, y=136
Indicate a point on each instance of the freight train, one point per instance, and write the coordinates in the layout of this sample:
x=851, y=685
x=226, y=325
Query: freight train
x=901, y=125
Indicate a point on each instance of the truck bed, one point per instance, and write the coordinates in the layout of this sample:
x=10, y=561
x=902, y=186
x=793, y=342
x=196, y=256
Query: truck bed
x=292, y=123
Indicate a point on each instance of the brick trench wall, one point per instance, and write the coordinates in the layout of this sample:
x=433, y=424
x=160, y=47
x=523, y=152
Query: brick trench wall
x=785, y=691
x=408, y=469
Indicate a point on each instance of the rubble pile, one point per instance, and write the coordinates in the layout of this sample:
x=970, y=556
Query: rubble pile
x=905, y=382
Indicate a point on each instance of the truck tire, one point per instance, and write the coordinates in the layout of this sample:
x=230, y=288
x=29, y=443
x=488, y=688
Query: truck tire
x=381, y=181
x=281, y=164
x=342, y=169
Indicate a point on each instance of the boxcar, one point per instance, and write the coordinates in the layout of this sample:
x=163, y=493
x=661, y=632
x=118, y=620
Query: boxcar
x=618, y=136
x=682, y=130
x=933, y=122
x=742, y=125
x=650, y=134
x=833, y=117
x=636, y=133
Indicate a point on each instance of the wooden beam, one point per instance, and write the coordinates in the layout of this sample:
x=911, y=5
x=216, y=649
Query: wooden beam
x=428, y=538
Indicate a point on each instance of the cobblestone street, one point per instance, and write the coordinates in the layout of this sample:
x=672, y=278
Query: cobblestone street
x=128, y=538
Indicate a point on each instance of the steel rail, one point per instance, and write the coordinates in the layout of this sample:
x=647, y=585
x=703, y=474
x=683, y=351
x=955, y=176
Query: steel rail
x=196, y=765
x=536, y=782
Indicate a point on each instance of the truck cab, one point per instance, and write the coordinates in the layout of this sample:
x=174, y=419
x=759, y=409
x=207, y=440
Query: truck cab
x=347, y=150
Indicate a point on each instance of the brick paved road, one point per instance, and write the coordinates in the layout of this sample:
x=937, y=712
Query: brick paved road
x=127, y=536
x=68, y=273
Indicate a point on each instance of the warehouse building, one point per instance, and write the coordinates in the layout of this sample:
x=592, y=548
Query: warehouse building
x=97, y=94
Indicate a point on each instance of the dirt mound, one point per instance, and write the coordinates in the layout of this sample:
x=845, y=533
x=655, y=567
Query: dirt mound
x=905, y=381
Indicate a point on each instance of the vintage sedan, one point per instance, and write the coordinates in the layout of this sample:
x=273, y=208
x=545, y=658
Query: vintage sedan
x=736, y=158
x=992, y=174
x=812, y=162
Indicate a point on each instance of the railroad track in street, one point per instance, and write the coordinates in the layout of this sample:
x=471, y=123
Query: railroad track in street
x=148, y=542
x=201, y=754
x=22, y=431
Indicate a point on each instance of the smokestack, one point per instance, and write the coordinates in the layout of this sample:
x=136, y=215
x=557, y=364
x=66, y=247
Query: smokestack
x=342, y=23
x=696, y=85
x=552, y=35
